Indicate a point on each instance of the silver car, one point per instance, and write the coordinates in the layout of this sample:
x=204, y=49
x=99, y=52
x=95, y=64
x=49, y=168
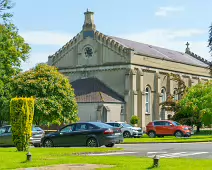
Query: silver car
x=6, y=136
x=127, y=130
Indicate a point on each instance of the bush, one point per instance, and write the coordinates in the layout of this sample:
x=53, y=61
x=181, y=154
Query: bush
x=134, y=120
x=21, y=117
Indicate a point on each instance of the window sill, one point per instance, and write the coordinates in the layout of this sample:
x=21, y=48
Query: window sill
x=147, y=113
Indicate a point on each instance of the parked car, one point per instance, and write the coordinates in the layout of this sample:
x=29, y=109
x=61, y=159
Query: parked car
x=127, y=130
x=90, y=134
x=6, y=136
x=163, y=128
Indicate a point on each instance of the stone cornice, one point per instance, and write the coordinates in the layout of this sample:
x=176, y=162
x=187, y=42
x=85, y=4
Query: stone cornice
x=146, y=55
x=166, y=71
x=94, y=69
x=149, y=70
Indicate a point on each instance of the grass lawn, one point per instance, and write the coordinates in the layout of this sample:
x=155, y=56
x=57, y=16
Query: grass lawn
x=168, y=139
x=10, y=159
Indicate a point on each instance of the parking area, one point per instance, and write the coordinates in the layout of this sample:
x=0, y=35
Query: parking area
x=168, y=150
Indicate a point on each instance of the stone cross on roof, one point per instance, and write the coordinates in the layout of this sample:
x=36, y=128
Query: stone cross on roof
x=187, y=47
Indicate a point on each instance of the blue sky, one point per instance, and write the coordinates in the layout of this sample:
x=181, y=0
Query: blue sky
x=47, y=24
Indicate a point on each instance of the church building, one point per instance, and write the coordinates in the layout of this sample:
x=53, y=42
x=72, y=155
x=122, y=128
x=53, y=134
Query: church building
x=115, y=78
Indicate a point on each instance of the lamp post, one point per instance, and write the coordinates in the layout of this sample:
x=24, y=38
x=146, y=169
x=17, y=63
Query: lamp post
x=156, y=159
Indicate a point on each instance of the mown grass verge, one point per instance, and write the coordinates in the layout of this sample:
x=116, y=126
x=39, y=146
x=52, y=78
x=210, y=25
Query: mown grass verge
x=168, y=139
x=10, y=159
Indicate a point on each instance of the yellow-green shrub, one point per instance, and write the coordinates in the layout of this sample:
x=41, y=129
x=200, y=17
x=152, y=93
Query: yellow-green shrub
x=21, y=117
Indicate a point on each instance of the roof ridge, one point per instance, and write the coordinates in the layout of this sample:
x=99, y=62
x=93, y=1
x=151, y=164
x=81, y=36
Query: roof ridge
x=198, y=57
x=143, y=43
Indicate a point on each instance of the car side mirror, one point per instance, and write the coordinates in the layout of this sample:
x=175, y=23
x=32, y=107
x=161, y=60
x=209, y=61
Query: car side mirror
x=171, y=125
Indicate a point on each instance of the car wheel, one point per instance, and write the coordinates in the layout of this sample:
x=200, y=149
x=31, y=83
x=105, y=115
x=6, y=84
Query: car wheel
x=110, y=145
x=152, y=134
x=178, y=134
x=92, y=142
x=126, y=134
x=48, y=143
x=36, y=145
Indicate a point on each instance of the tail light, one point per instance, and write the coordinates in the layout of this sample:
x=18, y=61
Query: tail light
x=109, y=131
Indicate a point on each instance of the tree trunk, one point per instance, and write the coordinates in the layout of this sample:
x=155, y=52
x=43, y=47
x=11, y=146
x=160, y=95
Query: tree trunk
x=198, y=129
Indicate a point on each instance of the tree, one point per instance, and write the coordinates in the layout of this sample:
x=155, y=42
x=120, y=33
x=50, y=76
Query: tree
x=170, y=104
x=13, y=50
x=134, y=120
x=195, y=106
x=22, y=112
x=55, y=99
x=210, y=38
x=210, y=46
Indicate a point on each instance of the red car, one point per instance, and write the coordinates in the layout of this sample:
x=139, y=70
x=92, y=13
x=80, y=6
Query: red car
x=163, y=128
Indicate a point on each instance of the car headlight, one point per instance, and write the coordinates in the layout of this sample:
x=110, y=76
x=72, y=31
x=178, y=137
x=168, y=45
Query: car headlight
x=185, y=128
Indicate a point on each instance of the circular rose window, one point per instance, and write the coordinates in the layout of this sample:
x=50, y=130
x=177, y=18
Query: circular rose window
x=88, y=51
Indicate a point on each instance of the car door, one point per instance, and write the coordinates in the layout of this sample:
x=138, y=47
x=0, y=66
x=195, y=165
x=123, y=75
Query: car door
x=158, y=127
x=66, y=136
x=82, y=131
x=8, y=137
x=168, y=129
x=2, y=136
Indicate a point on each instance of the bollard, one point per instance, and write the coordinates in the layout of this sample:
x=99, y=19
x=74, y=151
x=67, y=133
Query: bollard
x=156, y=161
x=29, y=156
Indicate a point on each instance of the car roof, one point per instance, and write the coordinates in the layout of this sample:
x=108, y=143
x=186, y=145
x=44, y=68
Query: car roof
x=6, y=126
x=115, y=122
x=162, y=121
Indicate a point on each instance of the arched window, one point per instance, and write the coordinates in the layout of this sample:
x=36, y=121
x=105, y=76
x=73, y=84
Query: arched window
x=175, y=95
x=148, y=93
x=163, y=92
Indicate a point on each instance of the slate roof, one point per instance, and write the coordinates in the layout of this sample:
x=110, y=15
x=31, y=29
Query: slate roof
x=92, y=90
x=159, y=52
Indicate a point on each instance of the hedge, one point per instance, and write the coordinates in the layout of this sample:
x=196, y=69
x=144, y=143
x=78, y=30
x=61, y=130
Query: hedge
x=21, y=117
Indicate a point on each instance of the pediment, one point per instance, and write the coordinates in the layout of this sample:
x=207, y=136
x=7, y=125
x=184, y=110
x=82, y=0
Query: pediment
x=87, y=49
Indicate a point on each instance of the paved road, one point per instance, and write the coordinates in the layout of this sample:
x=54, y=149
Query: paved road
x=168, y=150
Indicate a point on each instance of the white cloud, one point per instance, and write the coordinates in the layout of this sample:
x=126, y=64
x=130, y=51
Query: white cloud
x=164, y=11
x=172, y=39
x=46, y=37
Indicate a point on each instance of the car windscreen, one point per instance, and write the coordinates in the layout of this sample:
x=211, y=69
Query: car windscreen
x=126, y=125
x=2, y=130
x=176, y=123
x=101, y=125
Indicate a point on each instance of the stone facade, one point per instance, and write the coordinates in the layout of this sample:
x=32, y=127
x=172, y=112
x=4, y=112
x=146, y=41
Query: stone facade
x=142, y=80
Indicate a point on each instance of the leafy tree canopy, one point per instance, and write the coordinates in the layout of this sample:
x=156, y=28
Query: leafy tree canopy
x=210, y=46
x=13, y=50
x=195, y=106
x=210, y=38
x=55, y=98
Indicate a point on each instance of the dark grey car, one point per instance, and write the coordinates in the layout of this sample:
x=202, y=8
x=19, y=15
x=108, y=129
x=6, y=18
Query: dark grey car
x=90, y=134
x=6, y=136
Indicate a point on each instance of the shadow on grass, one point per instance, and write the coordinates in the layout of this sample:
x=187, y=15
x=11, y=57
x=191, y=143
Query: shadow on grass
x=152, y=167
x=23, y=162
